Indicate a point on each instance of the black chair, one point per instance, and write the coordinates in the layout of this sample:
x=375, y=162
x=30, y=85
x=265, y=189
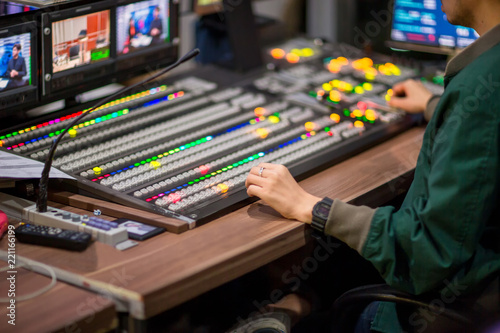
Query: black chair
x=74, y=51
x=348, y=307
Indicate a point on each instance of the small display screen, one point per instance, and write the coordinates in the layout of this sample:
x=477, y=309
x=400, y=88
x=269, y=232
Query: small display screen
x=80, y=41
x=423, y=22
x=142, y=24
x=15, y=61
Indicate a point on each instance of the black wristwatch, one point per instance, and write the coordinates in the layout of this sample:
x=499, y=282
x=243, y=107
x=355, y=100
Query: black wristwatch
x=320, y=213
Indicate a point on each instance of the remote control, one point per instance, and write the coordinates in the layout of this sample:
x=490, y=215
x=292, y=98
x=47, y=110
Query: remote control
x=54, y=237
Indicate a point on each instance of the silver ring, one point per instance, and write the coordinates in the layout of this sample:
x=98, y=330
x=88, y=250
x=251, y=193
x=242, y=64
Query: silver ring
x=260, y=171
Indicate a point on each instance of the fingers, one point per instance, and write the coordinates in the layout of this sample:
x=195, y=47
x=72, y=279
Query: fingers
x=396, y=102
x=410, y=96
x=268, y=170
x=254, y=191
x=261, y=175
x=399, y=89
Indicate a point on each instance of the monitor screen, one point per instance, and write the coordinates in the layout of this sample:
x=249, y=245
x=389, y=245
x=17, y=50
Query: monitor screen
x=15, y=61
x=421, y=22
x=141, y=25
x=18, y=66
x=80, y=40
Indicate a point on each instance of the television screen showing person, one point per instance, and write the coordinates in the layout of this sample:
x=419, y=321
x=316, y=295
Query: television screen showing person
x=15, y=61
x=141, y=24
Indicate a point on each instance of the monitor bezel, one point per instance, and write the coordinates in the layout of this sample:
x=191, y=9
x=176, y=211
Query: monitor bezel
x=104, y=67
x=28, y=94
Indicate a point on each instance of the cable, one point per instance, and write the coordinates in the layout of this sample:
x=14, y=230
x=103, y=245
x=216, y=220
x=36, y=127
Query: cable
x=35, y=293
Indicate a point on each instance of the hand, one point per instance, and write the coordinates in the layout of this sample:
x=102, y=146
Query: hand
x=278, y=189
x=410, y=96
x=155, y=32
x=13, y=73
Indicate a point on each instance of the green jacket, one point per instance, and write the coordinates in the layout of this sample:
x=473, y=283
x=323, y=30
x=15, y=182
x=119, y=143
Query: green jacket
x=436, y=240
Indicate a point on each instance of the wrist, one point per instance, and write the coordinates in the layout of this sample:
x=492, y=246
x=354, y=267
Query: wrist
x=305, y=213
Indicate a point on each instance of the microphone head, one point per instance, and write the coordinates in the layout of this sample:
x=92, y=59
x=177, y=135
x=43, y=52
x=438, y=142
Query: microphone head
x=191, y=54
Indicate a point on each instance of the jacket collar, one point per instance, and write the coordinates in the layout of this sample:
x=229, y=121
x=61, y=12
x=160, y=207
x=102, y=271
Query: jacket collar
x=474, y=50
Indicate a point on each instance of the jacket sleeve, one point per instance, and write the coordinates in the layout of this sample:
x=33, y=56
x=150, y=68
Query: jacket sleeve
x=431, y=107
x=438, y=230
x=22, y=70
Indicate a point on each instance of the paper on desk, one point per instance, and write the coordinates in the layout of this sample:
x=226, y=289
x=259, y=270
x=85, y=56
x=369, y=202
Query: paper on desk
x=14, y=166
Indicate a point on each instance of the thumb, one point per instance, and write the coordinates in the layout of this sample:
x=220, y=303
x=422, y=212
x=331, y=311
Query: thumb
x=397, y=102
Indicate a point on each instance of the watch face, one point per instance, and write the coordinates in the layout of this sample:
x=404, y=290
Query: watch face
x=322, y=210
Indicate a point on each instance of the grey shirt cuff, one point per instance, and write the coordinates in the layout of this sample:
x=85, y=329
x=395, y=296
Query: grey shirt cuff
x=431, y=106
x=349, y=223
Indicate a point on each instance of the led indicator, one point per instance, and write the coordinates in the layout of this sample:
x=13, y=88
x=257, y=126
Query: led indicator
x=309, y=126
x=259, y=111
x=155, y=164
x=273, y=119
x=359, y=124
x=357, y=113
x=222, y=188
x=262, y=132
x=277, y=53
x=335, y=117
x=335, y=96
x=292, y=58
x=370, y=115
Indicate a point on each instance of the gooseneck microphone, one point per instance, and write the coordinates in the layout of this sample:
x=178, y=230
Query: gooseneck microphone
x=41, y=203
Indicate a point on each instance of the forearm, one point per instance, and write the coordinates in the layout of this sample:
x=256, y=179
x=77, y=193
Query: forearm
x=431, y=106
x=349, y=223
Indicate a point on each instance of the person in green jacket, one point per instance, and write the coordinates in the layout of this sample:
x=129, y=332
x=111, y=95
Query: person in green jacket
x=437, y=238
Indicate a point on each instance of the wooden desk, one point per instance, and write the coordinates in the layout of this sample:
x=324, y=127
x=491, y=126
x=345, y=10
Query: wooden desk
x=63, y=308
x=170, y=269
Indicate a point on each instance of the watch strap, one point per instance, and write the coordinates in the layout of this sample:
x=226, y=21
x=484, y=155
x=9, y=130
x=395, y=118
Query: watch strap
x=320, y=214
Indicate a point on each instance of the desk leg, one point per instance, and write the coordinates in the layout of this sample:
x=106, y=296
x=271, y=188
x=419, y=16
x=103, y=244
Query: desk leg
x=127, y=324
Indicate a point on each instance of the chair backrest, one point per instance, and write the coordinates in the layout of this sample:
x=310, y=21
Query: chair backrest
x=74, y=50
x=350, y=305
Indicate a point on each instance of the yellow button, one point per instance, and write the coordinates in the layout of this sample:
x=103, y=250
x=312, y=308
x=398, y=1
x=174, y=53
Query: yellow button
x=326, y=86
x=359, y=90
x=335, y=117
x=292, y=58
x=262, y=132
x=259, y=111
x=359, y=124
x=357, y=113
x=273, y=119
x=155, y=164
x=309, y=126
x=277, y=53
x=370, y=114
x=223, y=187
x=335, y=96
